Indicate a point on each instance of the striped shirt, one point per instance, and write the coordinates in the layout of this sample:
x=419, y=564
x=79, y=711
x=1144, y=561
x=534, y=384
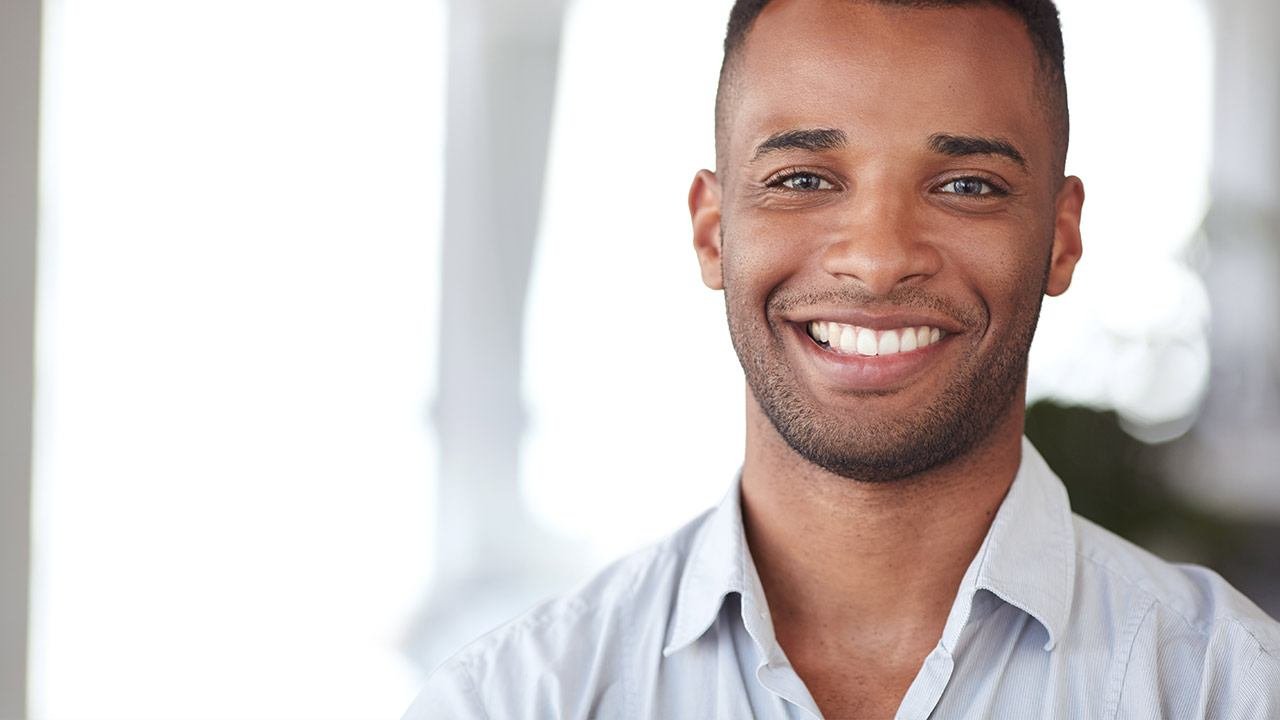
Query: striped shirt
x=1056, y=617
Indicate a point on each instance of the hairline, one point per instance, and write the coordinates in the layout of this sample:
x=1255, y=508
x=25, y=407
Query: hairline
x=1050, y=88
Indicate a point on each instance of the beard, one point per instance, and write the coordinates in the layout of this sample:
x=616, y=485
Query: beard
x=977, y=395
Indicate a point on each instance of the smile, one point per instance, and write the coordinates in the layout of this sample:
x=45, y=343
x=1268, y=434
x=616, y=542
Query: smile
x=852, y=340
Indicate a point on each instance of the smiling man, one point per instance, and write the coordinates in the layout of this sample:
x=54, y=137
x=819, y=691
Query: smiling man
x=887, y=212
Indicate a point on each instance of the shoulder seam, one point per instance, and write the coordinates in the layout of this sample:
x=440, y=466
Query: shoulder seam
x=1131, y=630
x=1263, y=648
x=629, y=691
x=1263, y=653
x=475, y=691
x=1151, y=595
x=1204, y=628
x=567, y=606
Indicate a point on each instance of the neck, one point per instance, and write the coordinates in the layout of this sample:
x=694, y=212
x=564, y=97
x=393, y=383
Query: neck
x=876, y=564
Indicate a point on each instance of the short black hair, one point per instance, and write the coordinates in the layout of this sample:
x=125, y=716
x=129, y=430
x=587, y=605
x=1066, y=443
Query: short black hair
x=1039, y=16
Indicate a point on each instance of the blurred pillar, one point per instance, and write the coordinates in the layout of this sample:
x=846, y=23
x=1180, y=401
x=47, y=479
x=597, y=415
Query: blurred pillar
x=1231, y=459
x=19, y=133
x=492, y=559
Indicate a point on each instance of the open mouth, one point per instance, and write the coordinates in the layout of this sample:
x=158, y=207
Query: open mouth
x=852, y=340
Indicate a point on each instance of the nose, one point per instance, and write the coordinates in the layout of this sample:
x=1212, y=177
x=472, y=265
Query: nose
x=879, y=245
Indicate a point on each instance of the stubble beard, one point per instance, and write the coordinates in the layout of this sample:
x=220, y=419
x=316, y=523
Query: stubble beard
x=980, y=393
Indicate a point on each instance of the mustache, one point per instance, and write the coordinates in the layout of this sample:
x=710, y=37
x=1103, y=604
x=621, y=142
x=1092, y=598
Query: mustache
x=900, y=298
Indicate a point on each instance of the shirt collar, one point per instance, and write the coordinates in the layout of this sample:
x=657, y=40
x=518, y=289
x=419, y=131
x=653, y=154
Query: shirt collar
x=1027, y=560
x=719, y=564
x=1028, y=556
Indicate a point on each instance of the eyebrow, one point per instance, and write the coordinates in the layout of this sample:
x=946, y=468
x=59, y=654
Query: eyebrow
x=965, y=145
x=811, y=140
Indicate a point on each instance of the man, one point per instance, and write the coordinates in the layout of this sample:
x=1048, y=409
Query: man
x=887, y=212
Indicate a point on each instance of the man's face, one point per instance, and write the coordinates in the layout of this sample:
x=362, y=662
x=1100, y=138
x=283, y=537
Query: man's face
x=884, y=224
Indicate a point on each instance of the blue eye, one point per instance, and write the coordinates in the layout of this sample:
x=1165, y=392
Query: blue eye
x=970, y=186
x=803, y=182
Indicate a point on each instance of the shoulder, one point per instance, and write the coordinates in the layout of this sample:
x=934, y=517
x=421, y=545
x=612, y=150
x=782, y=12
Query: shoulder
x=576, y=648
x=1194, y=597
x=1184, y=635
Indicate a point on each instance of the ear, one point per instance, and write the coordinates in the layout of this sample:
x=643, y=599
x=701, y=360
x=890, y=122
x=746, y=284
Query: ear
x=1066, y=236
x=704, y=210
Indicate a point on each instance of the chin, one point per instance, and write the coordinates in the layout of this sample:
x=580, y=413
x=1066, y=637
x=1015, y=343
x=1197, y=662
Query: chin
x=966, y=413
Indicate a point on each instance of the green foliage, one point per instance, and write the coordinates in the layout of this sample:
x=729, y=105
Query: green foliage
x=1116, y=481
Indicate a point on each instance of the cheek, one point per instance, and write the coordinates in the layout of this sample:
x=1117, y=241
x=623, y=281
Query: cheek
x=997, y=262
x=759, y=257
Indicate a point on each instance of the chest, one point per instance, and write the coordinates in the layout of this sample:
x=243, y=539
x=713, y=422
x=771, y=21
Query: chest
x=848, y=690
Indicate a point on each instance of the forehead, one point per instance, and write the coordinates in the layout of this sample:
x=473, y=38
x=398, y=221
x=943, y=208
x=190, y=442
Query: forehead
x=888, y=74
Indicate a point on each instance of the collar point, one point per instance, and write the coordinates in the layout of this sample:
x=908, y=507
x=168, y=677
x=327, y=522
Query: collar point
x=678, y=643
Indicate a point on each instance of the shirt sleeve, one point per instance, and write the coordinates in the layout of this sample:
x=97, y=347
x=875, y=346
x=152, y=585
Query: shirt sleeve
x=450, y=694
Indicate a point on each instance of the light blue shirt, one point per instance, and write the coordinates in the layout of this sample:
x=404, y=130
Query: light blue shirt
x=1055, y=618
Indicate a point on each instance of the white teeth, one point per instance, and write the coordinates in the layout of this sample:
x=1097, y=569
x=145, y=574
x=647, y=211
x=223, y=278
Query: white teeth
x=867, y=344
x=909, y=342
x=847, y=339
x=888, y=343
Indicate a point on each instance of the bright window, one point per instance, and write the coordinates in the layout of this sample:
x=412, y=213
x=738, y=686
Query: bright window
x=646, y=361
x=1132, y=333
x=240, y=232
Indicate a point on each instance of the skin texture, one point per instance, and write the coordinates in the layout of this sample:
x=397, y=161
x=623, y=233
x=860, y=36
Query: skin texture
x=865, y=500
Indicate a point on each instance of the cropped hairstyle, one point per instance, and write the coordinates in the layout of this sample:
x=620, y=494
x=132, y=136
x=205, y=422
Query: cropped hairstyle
x=1040, y=17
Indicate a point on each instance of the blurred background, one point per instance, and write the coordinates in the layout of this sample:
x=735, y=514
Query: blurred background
x=336, y=332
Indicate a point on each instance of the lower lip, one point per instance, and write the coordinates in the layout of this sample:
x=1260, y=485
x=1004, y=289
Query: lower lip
x=868, y=373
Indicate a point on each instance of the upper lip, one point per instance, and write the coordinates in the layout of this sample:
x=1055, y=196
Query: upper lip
x=875, y=319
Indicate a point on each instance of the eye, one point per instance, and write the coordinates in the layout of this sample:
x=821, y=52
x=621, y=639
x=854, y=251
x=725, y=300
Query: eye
x=802, y=182
x=970, y=186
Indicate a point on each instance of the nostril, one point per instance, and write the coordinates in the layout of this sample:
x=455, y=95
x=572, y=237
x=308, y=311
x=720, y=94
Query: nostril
x=881, y=266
